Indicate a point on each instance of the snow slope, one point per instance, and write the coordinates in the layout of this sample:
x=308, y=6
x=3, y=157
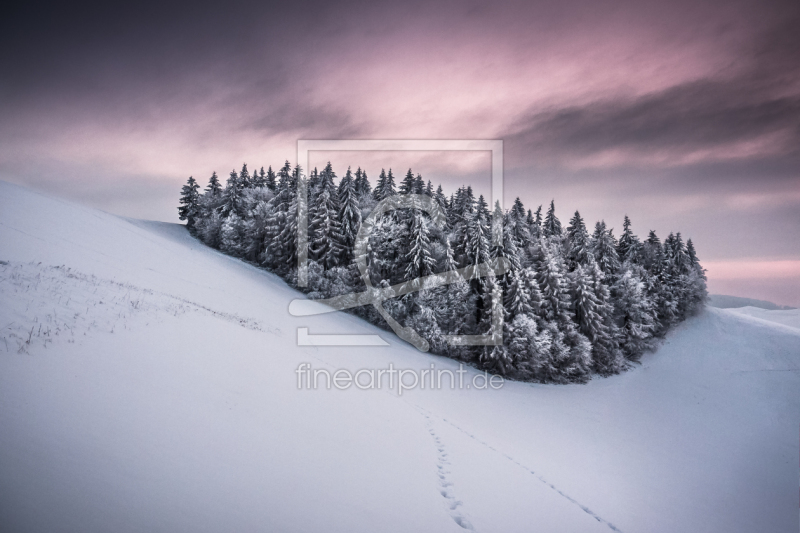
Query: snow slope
x=724, y=301
x=787, y=317
x=147, y=383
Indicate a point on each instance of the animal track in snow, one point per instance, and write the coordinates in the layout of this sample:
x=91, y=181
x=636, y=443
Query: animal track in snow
x=585, y=509
x=445, y=484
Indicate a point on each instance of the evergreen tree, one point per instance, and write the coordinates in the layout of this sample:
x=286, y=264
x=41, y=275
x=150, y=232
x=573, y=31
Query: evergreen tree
x=535, y=223
x=385, y=187
x=420, y=257
x=419, y=185
x=363, y=188
x=324, y=226
x=255, y=232
x=518, y=210
x=448, y=262
x=244, y=178
x=259, y=179
x=313, y=180
x=578, y=252
x=516, y=299
x=232, y=196
x=190, y=199
x=551, y=275
x=697, y=293
x=214, y=188
x=210, y=229
x=441, y=200
x=604, y=249
x=496, y=359
x=281, y=246
x=634, y=315
x=628, y=245
x=594, y=316
x=552, y=226
x=585, y=305
x=349, y=218
x=529, y=347
x=519, y=226
x=652, y=252
x=408, y=185
x=269, y=181
x=231, y=236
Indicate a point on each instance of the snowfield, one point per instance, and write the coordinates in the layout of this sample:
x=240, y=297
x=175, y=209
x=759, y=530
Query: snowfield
x=147, y=383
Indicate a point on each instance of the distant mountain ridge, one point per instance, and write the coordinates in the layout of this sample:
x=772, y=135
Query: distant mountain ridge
x=724, y=301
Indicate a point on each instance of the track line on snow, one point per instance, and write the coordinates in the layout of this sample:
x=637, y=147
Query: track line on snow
x=561, y=493
x=445, y=484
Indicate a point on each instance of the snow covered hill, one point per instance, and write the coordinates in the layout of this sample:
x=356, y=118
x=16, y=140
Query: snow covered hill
x=147, y=383
x=787, y=317
x=723, y=301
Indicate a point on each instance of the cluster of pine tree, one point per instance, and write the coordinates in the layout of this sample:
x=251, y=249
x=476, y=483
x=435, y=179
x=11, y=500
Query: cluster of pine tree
x=575, y=302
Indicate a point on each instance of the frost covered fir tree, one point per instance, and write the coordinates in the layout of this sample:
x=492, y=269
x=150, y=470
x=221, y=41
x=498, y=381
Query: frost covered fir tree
x=652, y=252
x=628, y=247
x=441, y=200
x=594, y=315
x=214, y=188
x=696, y=293
x=259, y=179
x=496, y=359
x=528, y=346
x=324, y=225
x=349, y=218
x=210, y=229
x=189, y=202
x=281, y=247
x=244, y=178
x=634, y=315
x=464, y=205
x=551, y=226
x=409, y=184
x=362, y=186
x=519, y=226
x=232, y=195
x=577, y=243
x=385, y=186
x=269, y=179
x=585, y=305
x=535, y=223
x=604, y=248
x=475, y=251
x=551, y=276
x=231, y=235
x=475, y=244
x=419, y=257
x=516, y=298
x=256, y=228
x=506, y=249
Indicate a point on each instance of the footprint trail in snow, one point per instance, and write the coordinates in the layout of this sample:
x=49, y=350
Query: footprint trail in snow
x=445, y=484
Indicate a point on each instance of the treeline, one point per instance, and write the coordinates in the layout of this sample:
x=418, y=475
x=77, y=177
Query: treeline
x=575, y=302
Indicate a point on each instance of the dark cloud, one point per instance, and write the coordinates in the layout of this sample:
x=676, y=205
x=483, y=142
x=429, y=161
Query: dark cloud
x=757, y=96
x=689, y=117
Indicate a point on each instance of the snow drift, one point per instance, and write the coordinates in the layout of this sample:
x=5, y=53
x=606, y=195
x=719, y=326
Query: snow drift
x=148, y=383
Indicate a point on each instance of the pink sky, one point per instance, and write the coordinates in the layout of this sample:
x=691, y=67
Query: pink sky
x=684, y=115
